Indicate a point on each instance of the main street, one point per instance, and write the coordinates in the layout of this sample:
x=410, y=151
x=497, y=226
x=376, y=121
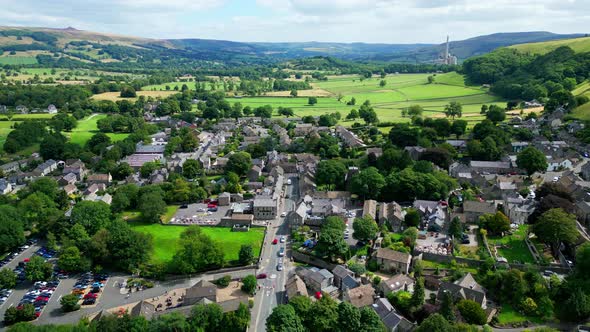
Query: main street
x=272, y=289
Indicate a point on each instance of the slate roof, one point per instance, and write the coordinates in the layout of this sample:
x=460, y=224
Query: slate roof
x=479, y=207
x=392, y=255
x=201, y=289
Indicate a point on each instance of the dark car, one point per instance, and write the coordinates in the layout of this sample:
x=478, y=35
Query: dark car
x=89, y=301
x=261, y=276
x=184, y=206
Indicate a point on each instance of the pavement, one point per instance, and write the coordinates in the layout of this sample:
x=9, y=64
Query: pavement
x=271, y=291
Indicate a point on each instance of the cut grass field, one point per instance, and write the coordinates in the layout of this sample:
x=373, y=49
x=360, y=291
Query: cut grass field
x=166, y=239
x=87, y=128
x=400, y=92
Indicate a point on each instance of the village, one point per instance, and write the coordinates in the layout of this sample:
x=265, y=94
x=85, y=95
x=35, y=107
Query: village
x=312, y=246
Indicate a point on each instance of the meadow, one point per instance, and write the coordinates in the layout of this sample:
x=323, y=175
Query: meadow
x=87, y=128
x=580, y=45
x=166, y=239
x=399, y=92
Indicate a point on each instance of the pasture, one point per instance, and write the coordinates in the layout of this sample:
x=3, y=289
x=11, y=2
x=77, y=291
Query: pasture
x=399, y=92
x=87, y=128
x=166, y=239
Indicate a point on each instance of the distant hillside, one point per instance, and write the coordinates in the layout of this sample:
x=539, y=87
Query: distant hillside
x=580, y=45
x=71, y=47
x=467, y=48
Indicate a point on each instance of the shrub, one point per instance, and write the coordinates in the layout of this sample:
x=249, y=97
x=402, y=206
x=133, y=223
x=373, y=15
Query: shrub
x=223, y=281
x=472, y=312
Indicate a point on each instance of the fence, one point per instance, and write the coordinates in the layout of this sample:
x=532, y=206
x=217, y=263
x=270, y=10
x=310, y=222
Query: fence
x=311, y=260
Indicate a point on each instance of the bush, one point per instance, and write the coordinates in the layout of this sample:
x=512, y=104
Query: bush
x=69, y=303
x=223, y=281
x=472, y=312
x=358, y=269
x=372, y=265
x=249, y=284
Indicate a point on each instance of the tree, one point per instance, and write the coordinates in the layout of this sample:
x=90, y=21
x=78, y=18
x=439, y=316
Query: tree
x=349, y=317
x=431, y=79
x=197, y=252
x=148, y=168
x=284, y=319
x=69, y=302
x=128, y=92
x=11, y=227
x=365, y=228
x=496, y=223
x=191, y=168
x=459, y=127
x=402, y=135
x=454, y=109
x=249, y=284
x=331, y=241
x=435, y=323
x=71, y=260
x=206, y=317
x=92, y=215
x=367, y=183
x=370, y=321
x=412, y=218
x=496, y=114
x=472, y=312
x=7, y=279
x=455, y=228
x=582, y=260
x=293, y=93
x=358, y=269
x=37, y=269
x=415, y=110
x=352, y=115
x=312, y=101
x=152, y=206
x=447, y=307
x=286, y=111
x=555, y=226
x=331, y=173
x=246, y=254
x=382, y=83
x=237, y=320
x=239, y=163
x=532, y=160
x=418, y=296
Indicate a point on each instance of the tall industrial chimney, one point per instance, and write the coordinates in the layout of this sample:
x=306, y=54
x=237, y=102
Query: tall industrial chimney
x=447, y=52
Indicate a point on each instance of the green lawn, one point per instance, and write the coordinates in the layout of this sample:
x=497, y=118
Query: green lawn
x=510, y=316
x=166, y=239
x=513, y=247
x=87, y=128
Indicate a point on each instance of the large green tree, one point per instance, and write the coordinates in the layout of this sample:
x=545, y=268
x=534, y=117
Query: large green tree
x=239, y=163
x=284, y=319
x=198, y=252
x=367, y=183
x=330, y=173
x=365, y=228
x=92, y=215
x=152, y=206
x=555, y=226
x=38, y=269
x=7, y=279
x=472, y=312
x=454, y=109
x=532, y=160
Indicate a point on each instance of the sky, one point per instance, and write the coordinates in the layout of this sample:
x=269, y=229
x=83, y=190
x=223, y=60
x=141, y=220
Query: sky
x=371, y=21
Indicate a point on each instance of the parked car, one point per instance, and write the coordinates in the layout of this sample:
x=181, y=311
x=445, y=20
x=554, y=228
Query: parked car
x=282, y=252
x=283, y=239
x=184, y=206
x=280, y=267
x=261, y=276
x=213, y=209
x=284, y=214
x=275, y=241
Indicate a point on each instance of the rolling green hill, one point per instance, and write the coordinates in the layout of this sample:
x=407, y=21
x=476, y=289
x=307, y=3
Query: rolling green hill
x=580, y=45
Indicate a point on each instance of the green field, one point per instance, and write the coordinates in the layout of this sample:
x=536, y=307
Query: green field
x=87, y=128
x=166, y=239
x=400, y=92
x=509, y=315
x=579, y=45
x=18, y=60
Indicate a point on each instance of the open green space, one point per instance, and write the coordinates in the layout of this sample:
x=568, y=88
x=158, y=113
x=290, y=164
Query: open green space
x=87, y=128
x=400, y=92
x=18, y=60
x=166, y=239
x=512, y=247
x=579, y=45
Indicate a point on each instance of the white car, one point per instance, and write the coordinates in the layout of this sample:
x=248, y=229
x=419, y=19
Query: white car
x=283, y=239
x=284, y=214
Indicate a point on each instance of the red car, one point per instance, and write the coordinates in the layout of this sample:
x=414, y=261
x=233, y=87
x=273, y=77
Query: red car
x=261, y=276
x=41, y=298
x=211, y=206
x=90, y=296
x=207, y=200
x=275, y=241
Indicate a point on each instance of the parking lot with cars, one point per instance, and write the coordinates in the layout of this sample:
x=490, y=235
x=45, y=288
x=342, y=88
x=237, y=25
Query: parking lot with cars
x=89, y=287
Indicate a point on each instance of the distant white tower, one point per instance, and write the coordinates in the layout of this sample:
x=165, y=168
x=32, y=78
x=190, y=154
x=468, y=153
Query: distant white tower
x=446, y=59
